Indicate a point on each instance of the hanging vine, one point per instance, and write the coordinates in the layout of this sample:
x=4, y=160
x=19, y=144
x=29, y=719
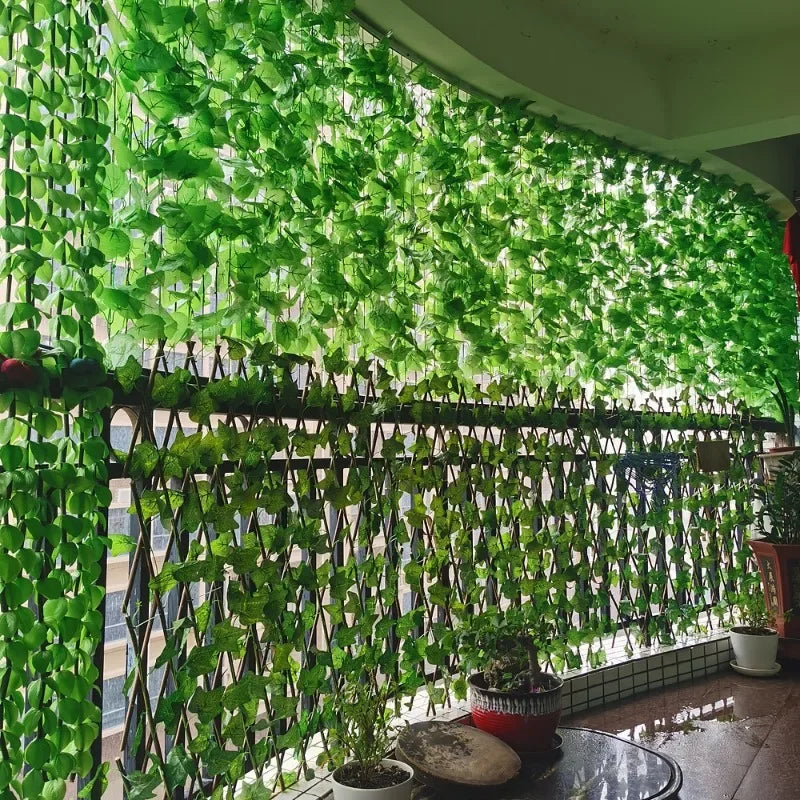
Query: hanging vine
x=53, y=450
x=333, y=200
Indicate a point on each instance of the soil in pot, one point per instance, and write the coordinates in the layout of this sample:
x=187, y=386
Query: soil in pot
x=381, y=776
x=749, y=631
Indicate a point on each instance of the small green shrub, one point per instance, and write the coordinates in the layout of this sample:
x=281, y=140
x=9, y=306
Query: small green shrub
x=363, y=732
x=753, y=613
x=505, y=646
x=781, y=501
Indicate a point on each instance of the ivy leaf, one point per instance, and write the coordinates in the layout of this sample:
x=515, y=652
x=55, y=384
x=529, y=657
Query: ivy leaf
x=177, y=768
x=121, y=544
x=286, y=333
x=160, y=105
x=128, y=374
x=115, y=243
x=150, y=327
x=123, y=155
x=121, y=348
x=142, y=785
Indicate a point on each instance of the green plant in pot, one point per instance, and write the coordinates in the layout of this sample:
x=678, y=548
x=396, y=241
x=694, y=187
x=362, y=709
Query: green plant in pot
x=754, y=640
x=785, y=441
x=361, y=738
x=777, y=551
x=511, y=696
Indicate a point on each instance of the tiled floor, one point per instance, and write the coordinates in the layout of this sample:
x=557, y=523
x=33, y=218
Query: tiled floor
x=735, y=738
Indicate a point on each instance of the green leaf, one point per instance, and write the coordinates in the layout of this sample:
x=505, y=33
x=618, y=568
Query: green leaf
x=13, y=181
x=114, y=243
x=20, y=343
x=17, y=99
x=121, y=544
x=142, y=785
x=128, y=373
x=37, y=753
x=150, y=327
x=54, y=789
x=122, y=348
x=123, y=155
x=178, y=767
x=54, y=612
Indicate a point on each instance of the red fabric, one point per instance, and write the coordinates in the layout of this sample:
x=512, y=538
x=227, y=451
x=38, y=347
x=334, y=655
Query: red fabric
x=791, y=247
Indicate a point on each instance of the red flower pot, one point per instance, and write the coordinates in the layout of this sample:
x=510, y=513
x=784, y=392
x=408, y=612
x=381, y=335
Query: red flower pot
x=525, y=721
x=779, y=565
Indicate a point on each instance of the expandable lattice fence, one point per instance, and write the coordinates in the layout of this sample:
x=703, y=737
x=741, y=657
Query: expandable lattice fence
x=281, y=529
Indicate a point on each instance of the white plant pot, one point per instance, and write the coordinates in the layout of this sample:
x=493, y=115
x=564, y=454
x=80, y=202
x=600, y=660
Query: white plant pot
x=754, y=651
x=400, y=791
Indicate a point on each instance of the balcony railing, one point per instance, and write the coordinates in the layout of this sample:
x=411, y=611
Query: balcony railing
x=274, y=539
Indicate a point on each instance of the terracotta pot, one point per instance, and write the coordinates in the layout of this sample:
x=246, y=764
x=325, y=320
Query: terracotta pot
x=713, y=455
x=779, y=565
x=525, y=721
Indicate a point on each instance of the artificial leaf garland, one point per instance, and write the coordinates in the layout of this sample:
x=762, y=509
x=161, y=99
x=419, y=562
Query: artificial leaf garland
x=54, y=490
x=261, y=173
x=286, y=180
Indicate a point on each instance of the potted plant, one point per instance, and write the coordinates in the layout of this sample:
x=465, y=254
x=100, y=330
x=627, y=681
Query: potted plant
x=362, y=737
x=754, y=640
x=775, y=457
x=777, y=552
x=511, y=697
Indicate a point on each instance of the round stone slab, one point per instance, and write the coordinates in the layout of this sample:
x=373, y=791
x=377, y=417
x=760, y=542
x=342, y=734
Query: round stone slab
x=595, y=765
x=449, y=753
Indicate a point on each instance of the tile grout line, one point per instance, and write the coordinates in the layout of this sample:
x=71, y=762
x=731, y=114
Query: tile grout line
x=781, y=711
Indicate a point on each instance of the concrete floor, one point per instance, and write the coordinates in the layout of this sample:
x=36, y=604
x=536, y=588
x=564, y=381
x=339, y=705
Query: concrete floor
x=735, y=738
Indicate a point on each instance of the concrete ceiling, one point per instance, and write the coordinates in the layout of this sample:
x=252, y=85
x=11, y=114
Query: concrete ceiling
x=708, y=79
x=669, y=27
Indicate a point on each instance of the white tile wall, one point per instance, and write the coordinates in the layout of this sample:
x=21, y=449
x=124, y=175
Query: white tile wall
x=651, y=671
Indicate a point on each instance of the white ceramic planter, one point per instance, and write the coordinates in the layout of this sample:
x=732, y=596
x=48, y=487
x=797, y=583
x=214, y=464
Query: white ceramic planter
x=754, y=651
x=400, y=791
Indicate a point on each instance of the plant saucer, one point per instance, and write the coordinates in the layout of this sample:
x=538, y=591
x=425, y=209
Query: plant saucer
x=757, y=673
x=551, y=752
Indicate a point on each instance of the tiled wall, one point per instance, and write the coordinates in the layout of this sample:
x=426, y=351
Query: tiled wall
x=645, y=674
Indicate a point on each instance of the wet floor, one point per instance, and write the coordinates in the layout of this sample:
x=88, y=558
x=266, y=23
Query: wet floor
x=735, y=738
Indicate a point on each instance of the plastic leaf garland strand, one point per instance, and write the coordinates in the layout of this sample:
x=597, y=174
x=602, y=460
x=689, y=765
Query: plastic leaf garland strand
x=53, y=450
x=276, y=178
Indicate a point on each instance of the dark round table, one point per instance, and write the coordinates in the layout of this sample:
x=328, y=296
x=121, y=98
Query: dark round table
x=592, y=765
